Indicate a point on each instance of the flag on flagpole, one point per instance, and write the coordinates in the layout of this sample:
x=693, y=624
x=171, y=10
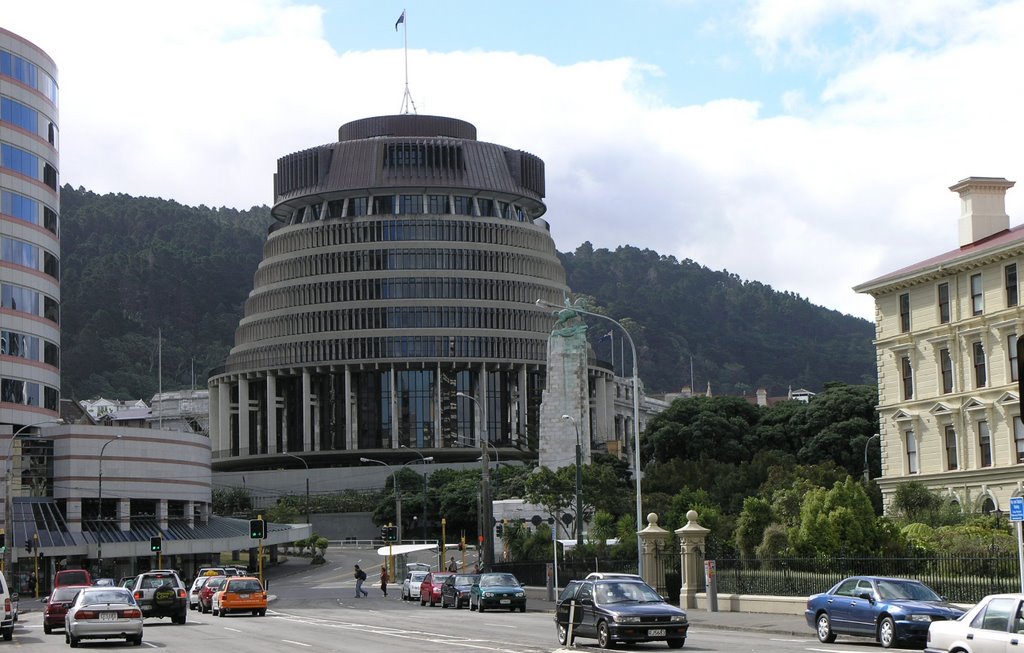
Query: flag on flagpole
x=401, y=19
x=605, y=337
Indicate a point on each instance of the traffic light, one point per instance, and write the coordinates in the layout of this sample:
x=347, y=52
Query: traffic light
x=499, y=529
x=392, y=534
x=28, y=545
x=155, y=544
x=384, y=533
x=3, y=540
x=257, y=529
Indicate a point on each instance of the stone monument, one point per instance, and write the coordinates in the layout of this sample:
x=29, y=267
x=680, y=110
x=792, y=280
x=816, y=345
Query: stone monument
x=566, y=393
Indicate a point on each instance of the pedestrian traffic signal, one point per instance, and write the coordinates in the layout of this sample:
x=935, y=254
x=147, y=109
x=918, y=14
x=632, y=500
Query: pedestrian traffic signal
x=155, y=544
x=384, y=533
x=257, y=529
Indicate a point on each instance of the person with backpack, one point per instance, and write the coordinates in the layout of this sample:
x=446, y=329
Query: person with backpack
x=360, y=577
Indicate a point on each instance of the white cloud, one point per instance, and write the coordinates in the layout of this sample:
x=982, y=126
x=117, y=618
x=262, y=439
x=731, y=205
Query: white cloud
x=197, y=103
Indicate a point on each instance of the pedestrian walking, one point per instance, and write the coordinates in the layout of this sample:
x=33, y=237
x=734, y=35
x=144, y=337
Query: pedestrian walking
x=384, y=578
x=360, y=577
x=452, y=565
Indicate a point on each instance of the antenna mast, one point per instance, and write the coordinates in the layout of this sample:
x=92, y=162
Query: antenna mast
x=407, y=100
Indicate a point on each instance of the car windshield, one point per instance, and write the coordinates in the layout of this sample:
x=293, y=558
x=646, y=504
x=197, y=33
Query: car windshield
x=417, y=576
x=62, y=595
x=244, y=586
x=608, y=592
x=906, y=589
x=106, y=596
x=153, y=582
x=465, y=579
x=74, y=578
x=498, y=580
x=214, y=582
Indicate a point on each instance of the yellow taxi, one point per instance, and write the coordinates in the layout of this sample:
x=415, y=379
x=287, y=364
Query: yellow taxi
x=240, y=594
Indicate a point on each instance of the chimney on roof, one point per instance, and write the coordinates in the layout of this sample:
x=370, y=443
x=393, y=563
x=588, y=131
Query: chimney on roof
x=762, y=397
x=982, y=207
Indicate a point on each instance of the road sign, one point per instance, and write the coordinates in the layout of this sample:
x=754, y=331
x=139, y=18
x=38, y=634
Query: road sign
x=1016, y=508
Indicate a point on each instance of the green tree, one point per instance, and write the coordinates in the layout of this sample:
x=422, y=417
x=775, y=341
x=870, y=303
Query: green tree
x=836, y=521
x=751, y=525
x=231, y=501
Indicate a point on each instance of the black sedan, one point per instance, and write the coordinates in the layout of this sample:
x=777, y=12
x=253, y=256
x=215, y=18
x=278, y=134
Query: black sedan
x=893, y=611
x=501, y=591
x=456, y=589
x=614, y=610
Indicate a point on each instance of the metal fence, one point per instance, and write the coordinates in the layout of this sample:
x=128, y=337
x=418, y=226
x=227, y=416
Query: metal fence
x=960, y=579
x=534, y=573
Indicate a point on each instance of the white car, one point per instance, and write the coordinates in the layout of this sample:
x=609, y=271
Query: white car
x=411, y=585
x=994, y=624
x=193, y=593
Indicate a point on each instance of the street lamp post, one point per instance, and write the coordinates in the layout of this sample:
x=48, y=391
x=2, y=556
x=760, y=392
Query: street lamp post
x=867, y=473
x=579, y=484
x=485, y=486
x=636, y=421
x=99, y=532
x=302, y=460
x=394, y=481
x=9, y=506
x=423, y=459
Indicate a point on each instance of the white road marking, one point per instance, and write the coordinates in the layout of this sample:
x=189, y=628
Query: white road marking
x=289, y=641
x=234, y=630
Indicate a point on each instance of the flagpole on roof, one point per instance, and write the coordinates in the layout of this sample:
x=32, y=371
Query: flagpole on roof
x=407, y=100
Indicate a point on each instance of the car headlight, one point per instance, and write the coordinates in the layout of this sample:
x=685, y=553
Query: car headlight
x=520, y=595
x=627, y=620
x=678, y=618
x=489, y=595
x=920, y=617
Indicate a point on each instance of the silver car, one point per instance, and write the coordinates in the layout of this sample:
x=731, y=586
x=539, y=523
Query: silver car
x=103, y=613
x=411, y=584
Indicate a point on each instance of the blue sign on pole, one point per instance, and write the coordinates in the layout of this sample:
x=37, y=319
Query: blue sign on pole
x=1016, y=508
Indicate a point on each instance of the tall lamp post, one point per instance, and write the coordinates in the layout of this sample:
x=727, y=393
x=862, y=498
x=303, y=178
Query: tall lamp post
x=485, y=486
x=579, y=484
x=9, y=506
x=99, y=532
x=398, y=492
x=424, y=460
x=867, y=473
x=636, y=420
x=302, y=460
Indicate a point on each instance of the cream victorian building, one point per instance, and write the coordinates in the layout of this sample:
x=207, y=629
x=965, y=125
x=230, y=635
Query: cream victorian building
x=946, y=334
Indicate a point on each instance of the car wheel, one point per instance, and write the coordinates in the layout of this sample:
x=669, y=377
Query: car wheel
x=479, y=605
x=825, y=634
x=8, y=634
x=604, y=636
x=262, y=612
x=223, y=612
x=458, y=604
x=563, y=634
x=423, y=601
x=443, y=604
x=432, y=603
x=135, y=641
x=203, y=609
x=887, y=632
x=47, y=629
x=471, y=606
x=676, y=643
x=72, y=641
x=67, y=640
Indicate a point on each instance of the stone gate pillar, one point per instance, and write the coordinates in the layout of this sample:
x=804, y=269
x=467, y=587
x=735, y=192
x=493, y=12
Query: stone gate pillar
x=691, y=559
x=654, y=543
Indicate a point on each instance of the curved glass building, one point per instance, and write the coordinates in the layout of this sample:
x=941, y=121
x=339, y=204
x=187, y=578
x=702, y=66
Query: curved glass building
x=29, y=235
x=394, y=305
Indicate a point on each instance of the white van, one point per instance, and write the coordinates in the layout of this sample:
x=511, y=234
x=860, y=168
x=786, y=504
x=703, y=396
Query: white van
x=7, y=601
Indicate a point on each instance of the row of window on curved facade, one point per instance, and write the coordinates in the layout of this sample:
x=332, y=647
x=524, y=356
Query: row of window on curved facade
x=393, y=317
x=354, y=290
x=340, y=350
x=381, y=260
x=28, y=210
x=26, y=300
x=25, y=163
x=18, y=252
x=429, y=229
x=29, y=393
x=29, y=347
x=29, y=74
x=28, y=119
x=403, y=204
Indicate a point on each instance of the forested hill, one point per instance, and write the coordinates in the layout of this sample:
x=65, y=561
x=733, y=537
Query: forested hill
x=740, y=335
x=133, y=266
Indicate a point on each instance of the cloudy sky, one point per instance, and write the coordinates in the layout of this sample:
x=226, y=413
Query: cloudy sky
x=806, y=144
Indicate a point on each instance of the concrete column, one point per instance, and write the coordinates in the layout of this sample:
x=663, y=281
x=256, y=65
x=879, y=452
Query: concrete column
x=350, y=413
x=190, y=513
x=654, y=543
x=243, y=417
x=74, y=518
x=224, y=418
x=271, y=413
x=204, y=513
x=214, y=419
x=307, y=426
x=522, y=427
x=124, y=514
x=691, y=559
x=393, y=436
x=161, y=513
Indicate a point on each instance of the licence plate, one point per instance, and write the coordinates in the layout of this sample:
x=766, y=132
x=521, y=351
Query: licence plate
x=108, y=616
x=243, y=596
x=656, y=632
x=506, y=601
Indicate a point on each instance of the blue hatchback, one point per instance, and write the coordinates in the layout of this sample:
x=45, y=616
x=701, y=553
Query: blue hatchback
x=891, y=610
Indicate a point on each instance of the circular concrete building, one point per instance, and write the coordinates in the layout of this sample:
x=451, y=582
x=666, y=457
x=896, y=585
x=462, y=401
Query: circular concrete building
x=402, y=272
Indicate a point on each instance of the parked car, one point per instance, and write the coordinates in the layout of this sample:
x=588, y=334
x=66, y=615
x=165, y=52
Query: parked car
x=57, y=605
x=103, y=613
x=411, y=584
x=894, y=611
x=207, y=591
x=994, y=624
x=193, y=592
x=79, y=577
x=615, y=610
x=7, y=609
x=160, y=593
x=103, y=582
x=496, y=590
x=456, y=588
x=240, y=594
x=430, y=587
